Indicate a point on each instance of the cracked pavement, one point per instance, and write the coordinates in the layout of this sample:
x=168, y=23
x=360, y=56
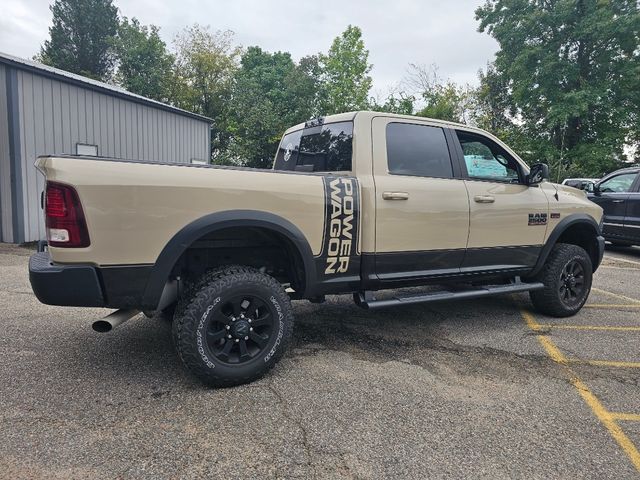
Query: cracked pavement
x=444, y=390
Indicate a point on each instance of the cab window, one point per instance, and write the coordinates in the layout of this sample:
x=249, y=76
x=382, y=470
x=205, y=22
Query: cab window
x=418, y=150
x=486, y=160
x=320, y=148
x=618, y=184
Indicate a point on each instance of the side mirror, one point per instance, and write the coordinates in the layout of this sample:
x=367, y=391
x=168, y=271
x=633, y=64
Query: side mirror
x=538, y=173
x=596, y=190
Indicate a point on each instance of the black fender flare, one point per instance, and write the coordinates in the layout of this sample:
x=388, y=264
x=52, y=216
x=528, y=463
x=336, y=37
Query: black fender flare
x=182, y=240
x=560, y=228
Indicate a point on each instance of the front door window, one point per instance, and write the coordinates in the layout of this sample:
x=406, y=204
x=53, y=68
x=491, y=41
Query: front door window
x=487, y=161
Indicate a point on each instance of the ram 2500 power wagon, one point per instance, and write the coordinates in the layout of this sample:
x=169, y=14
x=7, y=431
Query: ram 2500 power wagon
x=356, y=203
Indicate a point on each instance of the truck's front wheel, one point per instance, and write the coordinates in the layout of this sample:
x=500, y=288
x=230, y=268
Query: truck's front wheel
x=566, y=276
x=234, y=328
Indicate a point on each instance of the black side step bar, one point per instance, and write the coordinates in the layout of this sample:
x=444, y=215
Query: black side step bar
x=368, y=300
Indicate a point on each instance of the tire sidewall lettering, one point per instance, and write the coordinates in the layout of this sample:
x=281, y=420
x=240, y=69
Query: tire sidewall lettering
x=200, y=334
x=276, y=344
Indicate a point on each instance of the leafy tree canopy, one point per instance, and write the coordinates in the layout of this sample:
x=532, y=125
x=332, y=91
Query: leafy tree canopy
x=572, y=70
x=205, y=67
x=82, y=37
x=271, y=93
x=345, y=74
x=144, y=65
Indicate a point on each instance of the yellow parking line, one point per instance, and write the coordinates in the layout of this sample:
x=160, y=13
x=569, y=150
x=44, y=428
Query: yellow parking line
x=607, y=363
x=622, y=260
x=620, y=268
x=612, y=305
x=615, y=295
x=608, y=421
x=631, y=417
x=589, y=327
x=590, y=399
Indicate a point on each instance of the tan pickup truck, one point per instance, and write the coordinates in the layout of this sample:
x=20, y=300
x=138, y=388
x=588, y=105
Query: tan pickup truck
x=356, y=203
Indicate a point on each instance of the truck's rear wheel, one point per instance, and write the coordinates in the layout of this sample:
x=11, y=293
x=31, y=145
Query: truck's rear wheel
x=234, y=328
x=567, y=276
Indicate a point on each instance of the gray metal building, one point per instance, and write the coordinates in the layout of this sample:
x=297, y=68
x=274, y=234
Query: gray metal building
x=46, y=111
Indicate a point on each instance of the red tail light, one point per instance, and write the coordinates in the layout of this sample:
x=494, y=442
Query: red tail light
x=66, y=226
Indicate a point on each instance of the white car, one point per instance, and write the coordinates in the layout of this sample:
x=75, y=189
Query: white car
x=585, y=184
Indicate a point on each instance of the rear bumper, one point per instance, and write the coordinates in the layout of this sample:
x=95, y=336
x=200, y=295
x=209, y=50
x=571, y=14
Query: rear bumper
x=65, y=285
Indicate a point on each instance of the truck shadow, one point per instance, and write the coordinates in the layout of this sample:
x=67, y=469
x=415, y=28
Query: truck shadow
x=141, y=352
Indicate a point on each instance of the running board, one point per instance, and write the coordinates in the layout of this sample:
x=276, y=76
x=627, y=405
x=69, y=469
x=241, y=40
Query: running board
x=368, y=300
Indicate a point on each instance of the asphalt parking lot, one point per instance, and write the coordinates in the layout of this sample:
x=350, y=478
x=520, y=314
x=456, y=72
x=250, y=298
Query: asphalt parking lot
x=482, y=389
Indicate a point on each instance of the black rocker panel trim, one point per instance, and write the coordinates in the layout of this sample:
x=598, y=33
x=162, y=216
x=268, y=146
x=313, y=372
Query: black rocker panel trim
x=502, y=257
x=396, y=265
x=413, y=268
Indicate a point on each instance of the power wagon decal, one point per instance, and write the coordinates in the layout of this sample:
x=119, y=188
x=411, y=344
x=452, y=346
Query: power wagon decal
x=339, y=255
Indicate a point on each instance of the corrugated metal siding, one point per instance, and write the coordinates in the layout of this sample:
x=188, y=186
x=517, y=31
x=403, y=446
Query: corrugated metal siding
x=6, y=226
x=55, y=116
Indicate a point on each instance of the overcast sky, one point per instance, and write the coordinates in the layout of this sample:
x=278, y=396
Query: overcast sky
x=396, y=32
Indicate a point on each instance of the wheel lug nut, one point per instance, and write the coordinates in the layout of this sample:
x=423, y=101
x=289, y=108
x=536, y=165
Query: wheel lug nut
x=229, y=336
x=246, y=338
x=249, y=320
x=237, y=340
x=228, y=327
x=251, y=329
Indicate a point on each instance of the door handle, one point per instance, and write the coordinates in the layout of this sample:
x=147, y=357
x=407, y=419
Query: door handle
x=484, y=199
x=395, y=195
x=617, y=201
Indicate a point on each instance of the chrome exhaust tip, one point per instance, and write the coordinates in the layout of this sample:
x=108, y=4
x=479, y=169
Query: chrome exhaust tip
x=114, y=319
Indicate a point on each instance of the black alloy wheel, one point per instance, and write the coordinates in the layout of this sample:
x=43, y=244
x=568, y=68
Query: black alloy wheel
x=240, y=329
x=571, y=286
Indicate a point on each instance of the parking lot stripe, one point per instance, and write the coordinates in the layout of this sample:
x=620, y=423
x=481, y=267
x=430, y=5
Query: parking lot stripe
x=631, y=417
x=589, y=327
x=607, y=363
x=608, y=421
x=612, y=305
x=620, y=259
x=619, y=268
x=615, y=295
x=601, y=413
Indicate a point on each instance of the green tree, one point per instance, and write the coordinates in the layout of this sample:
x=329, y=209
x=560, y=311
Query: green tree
x=572, y=69
x=442, y=99
x=396, y=102
x=345, y=74
x=493, y=105
x=206, y=63
x=82, y=37
x=271, y=93
x=144, y=65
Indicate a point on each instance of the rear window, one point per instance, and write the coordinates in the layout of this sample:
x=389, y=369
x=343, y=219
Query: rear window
x=418, y=150
x=322, y=148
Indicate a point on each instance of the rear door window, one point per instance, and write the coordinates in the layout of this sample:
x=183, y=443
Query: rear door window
x=417, y=150
x=322, y=148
